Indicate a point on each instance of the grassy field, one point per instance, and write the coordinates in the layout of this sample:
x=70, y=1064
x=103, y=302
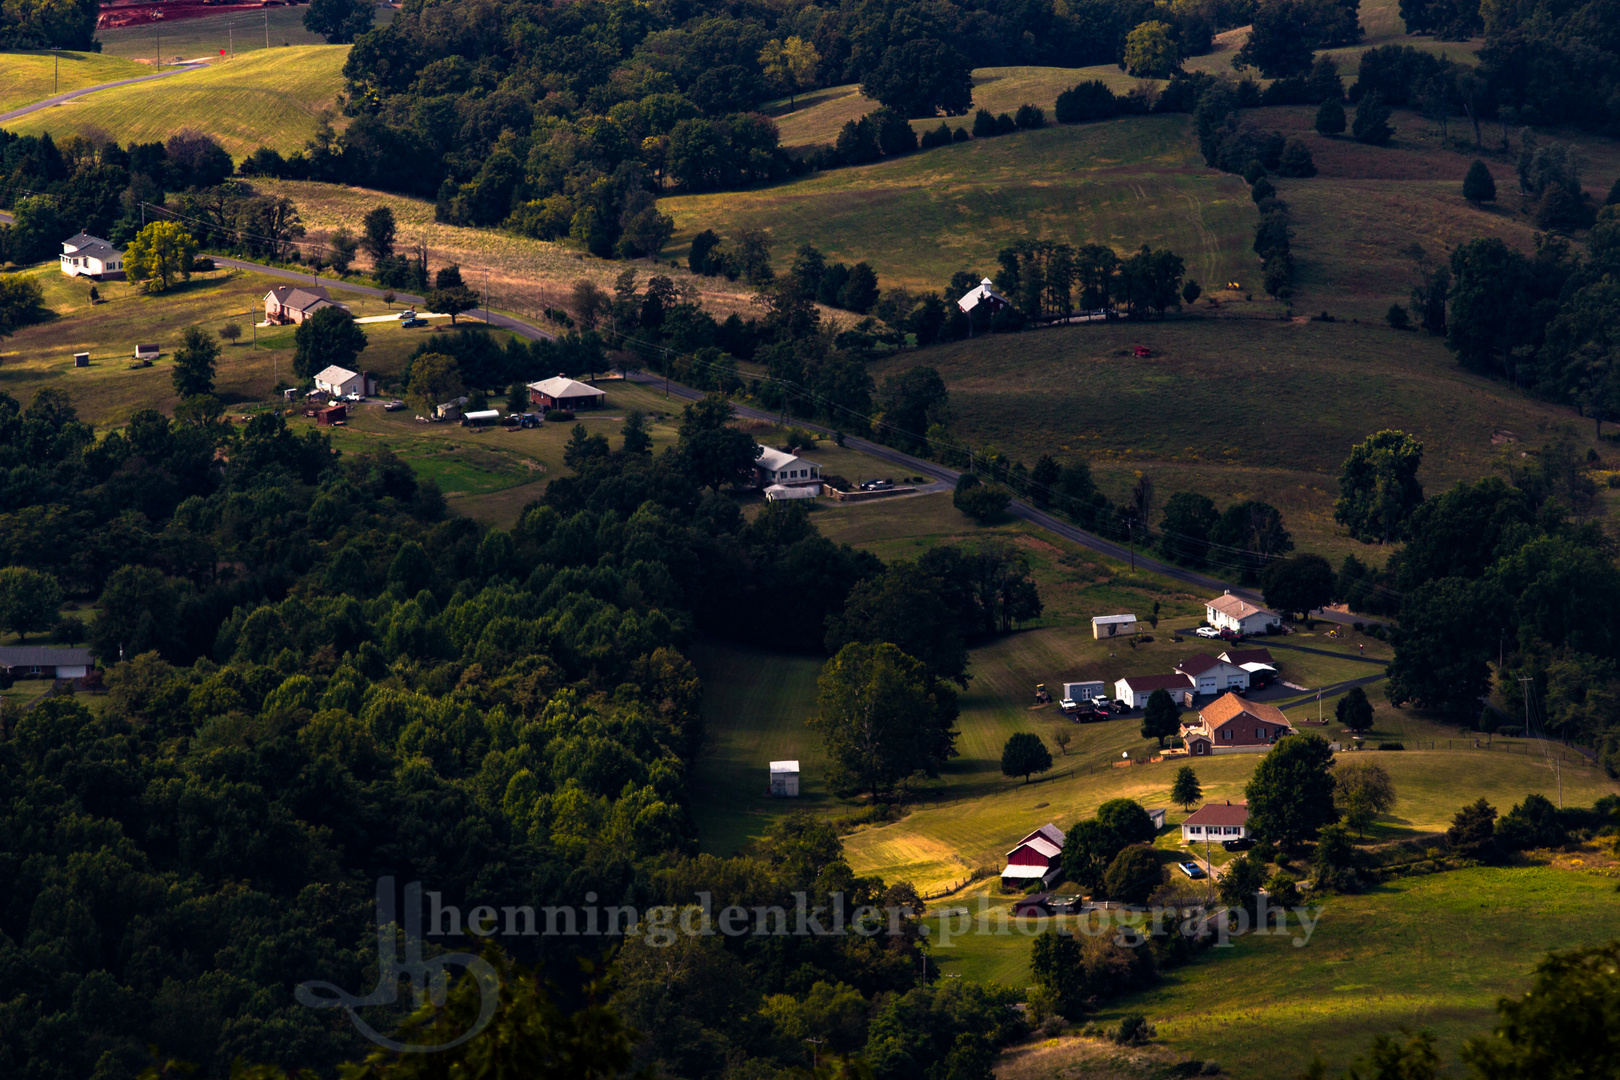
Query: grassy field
x=205, y=37
x=1432, y=953
x=1235, y=408
x=757, y=703
x=268, y=98
x=921, y=218
x=525, y=275
x=31, y=76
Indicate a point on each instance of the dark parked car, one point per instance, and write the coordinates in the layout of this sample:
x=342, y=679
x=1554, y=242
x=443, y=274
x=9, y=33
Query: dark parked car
x=1238, y=843
x=408, y=323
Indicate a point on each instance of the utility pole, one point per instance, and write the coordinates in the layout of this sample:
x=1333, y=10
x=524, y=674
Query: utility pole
x=56, y=68
x=160, y=45
x=267, y=28
x=231, y=30
x=486, y=295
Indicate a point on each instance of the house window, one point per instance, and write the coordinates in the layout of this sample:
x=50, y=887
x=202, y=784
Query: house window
x=1226, y=733
x=1260, y=732
x=1195, y=828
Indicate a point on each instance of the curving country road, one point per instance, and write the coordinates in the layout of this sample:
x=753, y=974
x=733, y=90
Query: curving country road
x=934, y=470
x=61, y=99
x=1017, y=508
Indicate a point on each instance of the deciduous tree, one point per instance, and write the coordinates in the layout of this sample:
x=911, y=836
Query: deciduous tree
x=1150, y=52
x=29, y=601
x=1161, y=719
x=435, y=378
x=1354, y=710
x=328, y=337
x=881, y=717
x=1025, y=754
x=1379, y=488
x=1302, y=583
x=194, y=361
x=1290, y=793
x=1362, y=790
x=713, y=452
x=339, y=21
x=1479, y=186
x=161, y=253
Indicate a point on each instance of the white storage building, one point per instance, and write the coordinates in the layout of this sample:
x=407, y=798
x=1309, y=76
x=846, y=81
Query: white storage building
x=1107, y=626
x=785, y=779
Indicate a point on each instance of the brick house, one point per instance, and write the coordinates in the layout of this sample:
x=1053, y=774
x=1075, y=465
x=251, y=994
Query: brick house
x=1230, y=725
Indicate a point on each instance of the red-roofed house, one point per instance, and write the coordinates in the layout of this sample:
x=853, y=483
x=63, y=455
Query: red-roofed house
x=1038, y=856
x=1216, y=822
x=1230, y=725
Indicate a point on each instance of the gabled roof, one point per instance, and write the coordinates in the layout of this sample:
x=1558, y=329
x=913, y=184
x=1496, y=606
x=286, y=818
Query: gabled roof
x=1040, y=845
x=335, y=374
x=299, y=297
x=1229, y=707
x=1241, y=657
x=775, y=460
x=1197, y=664
x=43, y=656
x=1228, y=813
x=985, y=291
x=1138, y=683
x=1104, y=620
x=1236, y=607
x=85, y=244
x=563, y=387
x=784, y=766
x=1050, y=831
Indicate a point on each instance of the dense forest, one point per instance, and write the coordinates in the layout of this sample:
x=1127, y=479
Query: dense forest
x=315, y=677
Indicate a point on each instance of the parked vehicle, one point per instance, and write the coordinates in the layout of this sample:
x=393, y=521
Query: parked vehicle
x=1207, y=632
x=878, y=485
x=393, y=406
x=1102, y=701
x=354, y=397
x=1192, y=870
x=1230, y=635
x=1068, y=705
x=408, y=313
x=1120, y=706
x=413, y=322
x=1238, y=843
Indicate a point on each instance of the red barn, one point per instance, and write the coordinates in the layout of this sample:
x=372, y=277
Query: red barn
x=1038, y=856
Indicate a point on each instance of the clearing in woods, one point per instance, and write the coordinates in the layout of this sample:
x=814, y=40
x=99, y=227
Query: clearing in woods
x=920, y=218
x=269, y=98
x=26, y=77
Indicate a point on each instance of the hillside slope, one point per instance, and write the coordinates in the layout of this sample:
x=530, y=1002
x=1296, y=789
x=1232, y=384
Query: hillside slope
x=268, y=98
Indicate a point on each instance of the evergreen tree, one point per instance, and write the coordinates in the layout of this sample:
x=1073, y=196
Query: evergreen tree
x=1161, y=719
x=1186, y=790
x=1478, y=185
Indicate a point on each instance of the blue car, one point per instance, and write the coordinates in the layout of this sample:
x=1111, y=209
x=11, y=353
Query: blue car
x=1191, y=869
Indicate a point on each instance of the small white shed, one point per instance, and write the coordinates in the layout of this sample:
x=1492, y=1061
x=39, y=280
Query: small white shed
x=785, y=779
x=783, y=493
x=1107, y=626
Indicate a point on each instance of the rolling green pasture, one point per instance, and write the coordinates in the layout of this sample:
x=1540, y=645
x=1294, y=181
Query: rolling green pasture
x=32, y=76
x=268, y=98
x=1431, y=953
x=1235, y=408
x=194, y=38
x=921, y=218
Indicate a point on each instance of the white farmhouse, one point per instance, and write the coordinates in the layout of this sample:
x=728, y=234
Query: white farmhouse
x=340, y=382
x=788, y=470
x=90, y=256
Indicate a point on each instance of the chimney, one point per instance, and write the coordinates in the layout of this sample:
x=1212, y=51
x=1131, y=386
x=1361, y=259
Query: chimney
x=564, y=375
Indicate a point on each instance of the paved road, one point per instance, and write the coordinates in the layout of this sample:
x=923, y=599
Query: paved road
x=72, y=94
x=497, y=320
x=1270, y=642
x=1017, y=508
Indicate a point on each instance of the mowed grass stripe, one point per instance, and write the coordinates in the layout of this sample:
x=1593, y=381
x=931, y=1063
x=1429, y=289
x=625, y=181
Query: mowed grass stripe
x=269, y=98
x=27, y=77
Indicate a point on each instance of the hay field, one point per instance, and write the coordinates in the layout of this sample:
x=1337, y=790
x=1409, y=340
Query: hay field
x=33, y=76
x=267, y=98
x=921, y=218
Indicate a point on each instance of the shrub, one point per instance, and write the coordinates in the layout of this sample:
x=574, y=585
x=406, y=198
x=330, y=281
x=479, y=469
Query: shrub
x=1398, y=319
x=1262, y=189
x=1087, y=101
x=1005, y=124
x=561, y=416
x=1330, y=118
x=1029, y=116
x=984, y=124
x=1296, y=160
x=1391, y=746
x=1133, y=1030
